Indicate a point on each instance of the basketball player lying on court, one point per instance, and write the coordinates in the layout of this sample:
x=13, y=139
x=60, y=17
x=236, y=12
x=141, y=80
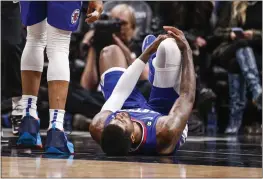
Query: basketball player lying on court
x=128, y=123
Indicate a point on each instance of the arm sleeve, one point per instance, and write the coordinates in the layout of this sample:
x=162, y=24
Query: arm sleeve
x=124, y=87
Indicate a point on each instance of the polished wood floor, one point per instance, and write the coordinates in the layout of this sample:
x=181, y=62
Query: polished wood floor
x=43, y=167
x=212, y=157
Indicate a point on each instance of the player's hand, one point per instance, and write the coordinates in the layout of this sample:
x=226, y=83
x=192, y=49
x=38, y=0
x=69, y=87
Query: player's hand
x=94, y=11
x=154, y=46
x=178, y=35
x=145, y=56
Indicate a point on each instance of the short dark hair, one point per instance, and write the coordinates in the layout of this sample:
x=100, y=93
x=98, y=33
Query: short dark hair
x=115, y=141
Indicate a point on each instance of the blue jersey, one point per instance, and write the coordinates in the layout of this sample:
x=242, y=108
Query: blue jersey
x=60, y=14
x=147, y=119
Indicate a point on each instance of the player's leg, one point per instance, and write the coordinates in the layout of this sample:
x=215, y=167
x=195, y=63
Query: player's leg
x=62, y=18
x=166, y=76
x=112, y=66
x=33, y=16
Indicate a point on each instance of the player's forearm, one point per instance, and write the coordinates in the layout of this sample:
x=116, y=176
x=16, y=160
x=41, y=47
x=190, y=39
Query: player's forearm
x=188, y=80
x=145, y=56
x=184, y=104
x=181, y=110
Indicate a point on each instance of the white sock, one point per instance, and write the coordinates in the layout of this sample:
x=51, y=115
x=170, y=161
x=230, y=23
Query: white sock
x=17, y=109
x=29, y=105
x=56, y=118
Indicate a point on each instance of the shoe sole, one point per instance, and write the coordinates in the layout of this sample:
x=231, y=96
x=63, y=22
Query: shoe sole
x=144, y=42
x=15, y=133
x=143, y=49
x=58, y=156
x=54, y=150
x=27, y=140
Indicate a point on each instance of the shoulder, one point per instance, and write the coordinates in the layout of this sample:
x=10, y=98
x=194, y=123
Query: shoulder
x=164, y=135
x=100, y=118
x=97, y=125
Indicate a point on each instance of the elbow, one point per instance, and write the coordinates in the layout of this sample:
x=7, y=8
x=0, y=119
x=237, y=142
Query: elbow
x=92, y=128
x=92, y=131
x=171, y=141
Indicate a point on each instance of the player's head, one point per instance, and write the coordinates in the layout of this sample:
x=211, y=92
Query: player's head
x=118, y=136
x=125, y=13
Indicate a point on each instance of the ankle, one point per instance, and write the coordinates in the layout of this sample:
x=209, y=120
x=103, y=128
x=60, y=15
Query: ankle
x=56, y=119
x=29, y=106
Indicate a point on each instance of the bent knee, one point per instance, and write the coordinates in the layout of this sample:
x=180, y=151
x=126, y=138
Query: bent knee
x=112, y=56
x=168, y=54
x=110, y=51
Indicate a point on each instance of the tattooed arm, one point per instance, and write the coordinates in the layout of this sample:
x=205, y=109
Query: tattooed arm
x=169, y=128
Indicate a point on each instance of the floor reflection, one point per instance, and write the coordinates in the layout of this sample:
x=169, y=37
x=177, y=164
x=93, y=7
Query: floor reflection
x=240, y=151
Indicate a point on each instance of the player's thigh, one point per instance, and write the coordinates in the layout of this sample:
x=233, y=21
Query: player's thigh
x=64, y=15
x=33, y=12
x=165, y=89
x=162, y=99
x=165, y=76
x=108, y=82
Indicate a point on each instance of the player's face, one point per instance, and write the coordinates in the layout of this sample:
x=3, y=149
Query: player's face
x=123, y=120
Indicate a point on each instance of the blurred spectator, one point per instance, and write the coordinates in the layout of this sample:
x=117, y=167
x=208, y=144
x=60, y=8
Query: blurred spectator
x=194, y=19
x=13, y=42
x=237, y=53
x=124, y=39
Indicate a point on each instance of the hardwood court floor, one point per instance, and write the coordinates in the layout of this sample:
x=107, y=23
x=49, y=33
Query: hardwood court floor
x=200, y=157
x=43, y=167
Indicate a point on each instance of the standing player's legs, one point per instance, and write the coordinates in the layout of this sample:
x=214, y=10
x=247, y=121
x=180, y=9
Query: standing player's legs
x=33, y=16
x=166, y=79
x=62, y=18
x=112, y=66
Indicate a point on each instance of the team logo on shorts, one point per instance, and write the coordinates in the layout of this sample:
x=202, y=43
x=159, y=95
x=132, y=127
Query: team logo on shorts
x=75, y=16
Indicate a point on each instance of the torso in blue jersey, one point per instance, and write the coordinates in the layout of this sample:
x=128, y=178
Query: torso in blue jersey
x=147, y=119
